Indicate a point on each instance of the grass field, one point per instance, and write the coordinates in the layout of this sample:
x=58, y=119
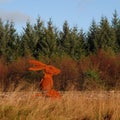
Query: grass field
x=72, y=106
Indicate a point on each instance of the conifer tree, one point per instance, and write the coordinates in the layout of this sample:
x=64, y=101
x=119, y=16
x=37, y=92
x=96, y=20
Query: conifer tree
x=47, y=45
x=12, y=46
x=91, y=37
x=28, y=40
x=1, y=37
x=8, y=40
x=73, y=41
x=106, y=38
x=80, y=49
x=65, y=37
x=115, y=21
x=39, y=36
x=118, y=35
x=116, y=28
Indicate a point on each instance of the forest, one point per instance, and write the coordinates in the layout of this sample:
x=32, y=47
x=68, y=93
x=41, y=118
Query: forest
x=87, y=60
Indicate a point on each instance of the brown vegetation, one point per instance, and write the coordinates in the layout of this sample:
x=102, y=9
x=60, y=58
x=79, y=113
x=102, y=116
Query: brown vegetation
x=72, y=106
x=94, y=72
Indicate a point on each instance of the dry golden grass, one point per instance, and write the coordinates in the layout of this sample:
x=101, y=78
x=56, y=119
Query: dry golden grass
x=72, y=106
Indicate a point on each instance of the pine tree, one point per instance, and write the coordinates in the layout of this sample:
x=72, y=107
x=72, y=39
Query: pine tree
x=80, y=49
x=65, y=38
x=1, y=37
x=118, y=35
x=73, y=41
x=28, y=40
x=106, y=38
x=39, y=36
x=91, y=37
x=116, y=28
x=8, y=41
x=12, y=46
x=47, y=45
x=115, y=21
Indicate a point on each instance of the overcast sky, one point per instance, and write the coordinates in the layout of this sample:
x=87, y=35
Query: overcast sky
x=76, y=12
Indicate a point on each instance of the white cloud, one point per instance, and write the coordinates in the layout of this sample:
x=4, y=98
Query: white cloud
x=15, y=16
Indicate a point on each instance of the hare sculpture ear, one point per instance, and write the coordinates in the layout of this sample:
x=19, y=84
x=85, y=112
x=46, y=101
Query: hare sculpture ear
x=36, y=65
x=52, y=70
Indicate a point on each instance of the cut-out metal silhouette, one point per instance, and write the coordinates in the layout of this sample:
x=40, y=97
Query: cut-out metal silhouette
x=47, y=81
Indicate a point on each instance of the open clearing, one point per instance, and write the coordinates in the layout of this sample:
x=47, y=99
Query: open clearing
x=88, y=105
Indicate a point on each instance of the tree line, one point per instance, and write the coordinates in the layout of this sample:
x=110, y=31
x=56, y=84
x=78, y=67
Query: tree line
x=87, y=60
x=39, y=40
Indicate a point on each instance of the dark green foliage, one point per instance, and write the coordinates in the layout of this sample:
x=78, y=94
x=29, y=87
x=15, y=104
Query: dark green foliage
x=64, y=38
x=116, y=28
x=118, y=36
x=38, y=40
x=92, y=37
x=115, y=21
x=28, y=40
x=106, y=38
x=47, y=45
x=9, y=41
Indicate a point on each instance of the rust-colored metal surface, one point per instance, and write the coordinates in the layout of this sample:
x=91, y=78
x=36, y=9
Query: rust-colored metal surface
x=47, y=81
